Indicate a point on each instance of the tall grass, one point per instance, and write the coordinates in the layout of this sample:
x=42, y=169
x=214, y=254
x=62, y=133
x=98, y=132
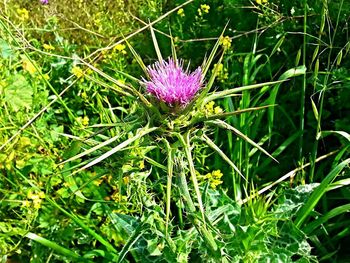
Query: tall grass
x=93, y=168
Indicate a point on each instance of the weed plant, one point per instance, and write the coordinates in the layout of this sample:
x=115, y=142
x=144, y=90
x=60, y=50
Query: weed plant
x=105, y=158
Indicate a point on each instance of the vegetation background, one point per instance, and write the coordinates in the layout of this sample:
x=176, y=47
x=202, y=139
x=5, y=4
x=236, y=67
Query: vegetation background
x=82, y=179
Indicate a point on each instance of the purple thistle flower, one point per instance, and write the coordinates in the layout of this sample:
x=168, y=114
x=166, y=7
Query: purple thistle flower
x=44, y=2
x=170, y=83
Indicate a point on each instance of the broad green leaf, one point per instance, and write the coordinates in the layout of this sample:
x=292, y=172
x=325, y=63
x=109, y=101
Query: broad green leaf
x=5, y=49
x=18, y=93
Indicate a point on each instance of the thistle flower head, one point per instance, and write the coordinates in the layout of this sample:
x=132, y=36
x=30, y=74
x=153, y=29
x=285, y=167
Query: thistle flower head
x=44, y=2
x=170, y=83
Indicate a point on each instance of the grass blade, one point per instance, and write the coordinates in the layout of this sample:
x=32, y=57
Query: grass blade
x=227, y=126
x=222, y=154
x=341, y=133
x=155, y=44
x=230, y=92
x=229, y=114
x=294, y=72
x=208, y=62
x=54, y=246
x=85, y=227
x=323, y=219
x=170, y=169
x=119, y=147
x=305, y=211
x=91, y=150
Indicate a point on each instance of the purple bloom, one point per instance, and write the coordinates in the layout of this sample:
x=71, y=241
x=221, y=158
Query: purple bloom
x=44, y=2
x=170, y=83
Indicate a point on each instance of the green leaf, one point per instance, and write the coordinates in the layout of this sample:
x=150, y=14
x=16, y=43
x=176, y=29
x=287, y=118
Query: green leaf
x=233, y=91
x=323, y=219
x=222, y=154
x=19, y=93
x=305, y=211
x=155, y=43
x=5, y=49
x=61, y=250
x=341, y=133
x=314, y=108
x=293, y=72
x=227, y=126
x=119, y=147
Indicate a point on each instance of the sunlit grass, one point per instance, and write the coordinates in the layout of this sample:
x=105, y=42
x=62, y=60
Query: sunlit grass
x=252, y=167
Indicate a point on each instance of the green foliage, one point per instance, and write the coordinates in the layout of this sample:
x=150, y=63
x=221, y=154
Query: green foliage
x=95, y=169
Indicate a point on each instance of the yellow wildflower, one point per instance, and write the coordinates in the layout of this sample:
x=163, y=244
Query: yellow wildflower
x=78, y=72
x=217, y=174
x=85, y=121
x=209, y=107
x=215, y=178
x=28, y=66
x=120, y=48
x=37, y=203
x=83, y=95
x=214, y=183
x=218, y=110
x=205, y=8
x=98, y=182
x=30, y=195
x=116, y=196
x=97, y=22
x=225, y=42
x=26, y=203
x=181, y=12
x=142, y=165
x=36, y=197
x=259, y=2
x=45, y=76
x=126, y=179
x=23, y=13
x=219, y=67
x=222, y=73
x=41, y=194
x=48, y=47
